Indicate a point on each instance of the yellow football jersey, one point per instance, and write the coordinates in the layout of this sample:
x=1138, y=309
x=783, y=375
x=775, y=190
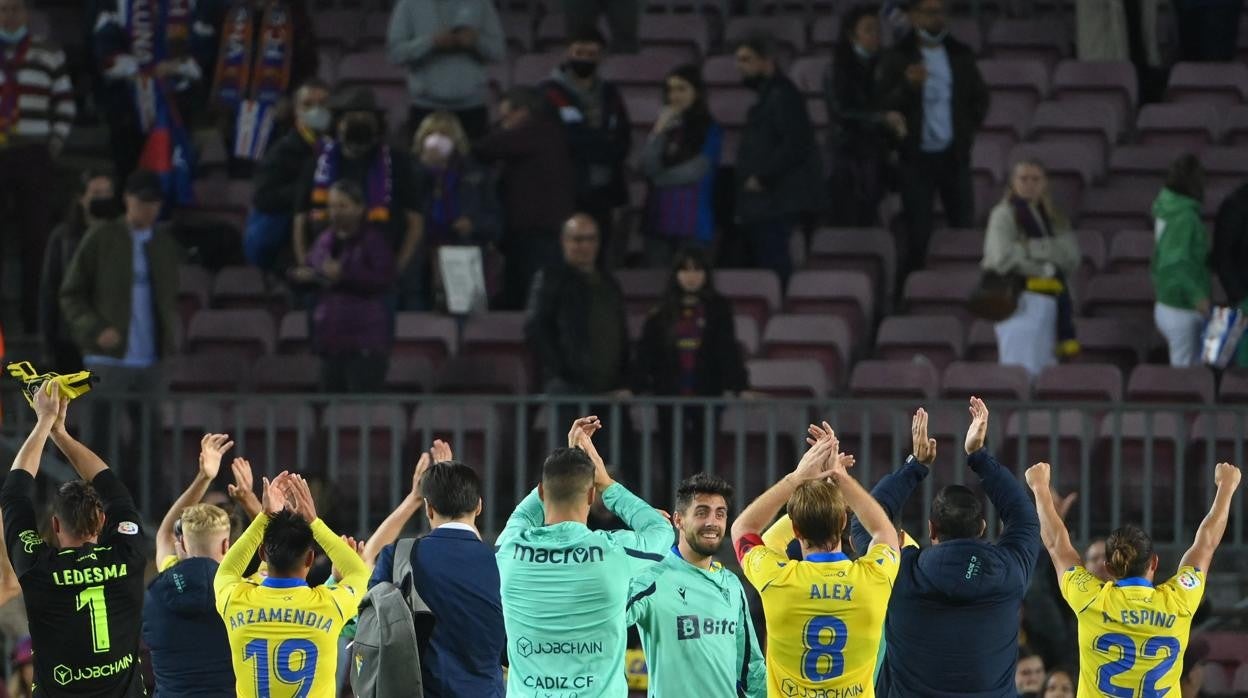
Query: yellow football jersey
x=825, y=614
x=283, y=633
x=1132, y=635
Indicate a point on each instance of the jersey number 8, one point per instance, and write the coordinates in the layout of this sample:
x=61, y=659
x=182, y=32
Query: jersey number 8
x=824, y=640
x=283, y=665
x=1153, y=647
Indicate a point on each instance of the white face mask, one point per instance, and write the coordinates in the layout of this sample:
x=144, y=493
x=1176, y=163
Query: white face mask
x=439, y=144
x=316, y=118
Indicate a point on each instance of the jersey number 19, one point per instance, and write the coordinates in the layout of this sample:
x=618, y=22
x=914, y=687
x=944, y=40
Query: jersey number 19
x=283, y=664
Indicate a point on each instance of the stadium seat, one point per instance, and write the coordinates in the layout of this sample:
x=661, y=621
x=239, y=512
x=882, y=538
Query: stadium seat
x=274, y=433
x=753, y=292
x=1131, y=251
x=808, y=73
x=1149, y=444
x=1110, y=209
x=369, y=68
x=748, y=335
x=847, y=294
x=1220, y=85
x=1005, y=125
x=183, y=424
x=721, y=71
x=430, y=335
x=1080, y=383
x=990, y=381
x=518, y=28
x=1111, y=340
x=968, y=31
x=532, y=68
x=1092, y=249
x=1236, y=124
x=338, y=27
x=496, y=374
x=286, y=374
x=642, y=288
x=1234, y=389
x=1169, y=384
x=825, y=32
x=409, y=374
x=1191, y=126
x=731, y=106
x=895, y=380
x=1122, y=296
x=987, y=174
x=688, y=32
x=244, y=334
x=791, y=378
x=788, y=32
x=936, y=338
x=363, y=440
x=206, y=373
x=981, y=342
x=1101, y=82
x=292, y=333
x=743, y=431
x=241, y=287
x=864, y=249
x=1042, y=40
x=194, y=291
x=494, y=334
x=1021, y=82
x=953, y=248
x=1225, y=168
x=940, y=292
x=825, y=339
x=1142, y=166
x=1089, y=125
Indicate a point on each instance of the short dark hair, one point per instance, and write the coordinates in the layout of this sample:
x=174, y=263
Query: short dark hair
x=587, y=34
x=701, y=483
x=1128, y=552
x=1187, y=177
x=350, y=189
x=957, y=513
x=451, y=488
x=567, y=474
x=287, y=540
x=79, y=509
x=760, y=43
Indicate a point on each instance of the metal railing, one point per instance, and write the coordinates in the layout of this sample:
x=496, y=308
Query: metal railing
x=1148, y=464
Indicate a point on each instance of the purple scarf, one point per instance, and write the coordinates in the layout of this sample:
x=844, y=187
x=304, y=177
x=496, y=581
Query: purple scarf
x=378, y=190
x=1025, y=217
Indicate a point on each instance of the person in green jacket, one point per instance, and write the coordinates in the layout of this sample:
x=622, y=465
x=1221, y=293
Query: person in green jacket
x=691, y=613
x=1180, y=268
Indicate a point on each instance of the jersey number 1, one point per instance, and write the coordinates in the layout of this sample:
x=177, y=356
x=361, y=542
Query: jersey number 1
x=1153, y=647
x=283, y=665
x=824, y=640
x=92, y=599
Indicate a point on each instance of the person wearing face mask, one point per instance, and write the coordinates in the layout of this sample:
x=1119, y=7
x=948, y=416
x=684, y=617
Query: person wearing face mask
x=679, y=160
x=277, y=176
x=932, y=80
x=358, y=153
x=861, y=137
x=599, y=131
x=353, y=266
x=778, y=165
x=445, y=46
x=36, y=113
x=96, y=203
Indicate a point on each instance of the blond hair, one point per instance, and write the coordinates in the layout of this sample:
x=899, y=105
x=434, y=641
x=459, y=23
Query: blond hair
x=1057, y=220
x=443, y=122
x=819, y=513
x=203, y=525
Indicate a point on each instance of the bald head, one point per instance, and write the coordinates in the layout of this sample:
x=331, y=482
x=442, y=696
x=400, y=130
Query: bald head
x=580, y=242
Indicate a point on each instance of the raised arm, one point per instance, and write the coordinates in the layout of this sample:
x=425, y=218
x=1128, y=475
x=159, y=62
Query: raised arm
x=10, y=587
x=1022, y=529
x=242, y=491
x=1209, y=535
x=49, y=408
x=894, y=489
x=868, y=511
x=211, y=448
x=390, y=529
x=649, y=531
x=85, y=462
x=1053, y=531
x=814, y=465
x=352, y=573
x=230, y=573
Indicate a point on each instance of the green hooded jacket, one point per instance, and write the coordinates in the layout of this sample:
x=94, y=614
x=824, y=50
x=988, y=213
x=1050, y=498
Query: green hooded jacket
x=1180, y=267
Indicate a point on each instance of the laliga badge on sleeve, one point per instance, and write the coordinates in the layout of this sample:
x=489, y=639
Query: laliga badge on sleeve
x=1187, y=580
x=129, y=528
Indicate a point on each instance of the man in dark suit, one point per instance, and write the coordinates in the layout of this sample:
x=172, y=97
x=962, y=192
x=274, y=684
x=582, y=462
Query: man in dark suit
x=456, y=575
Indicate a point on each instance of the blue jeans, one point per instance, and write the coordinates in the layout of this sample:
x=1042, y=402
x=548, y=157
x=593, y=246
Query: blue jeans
x=265, y=236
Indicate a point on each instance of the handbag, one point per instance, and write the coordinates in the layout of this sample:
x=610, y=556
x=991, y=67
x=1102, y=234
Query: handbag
x=1221, y=336
x=995, y=298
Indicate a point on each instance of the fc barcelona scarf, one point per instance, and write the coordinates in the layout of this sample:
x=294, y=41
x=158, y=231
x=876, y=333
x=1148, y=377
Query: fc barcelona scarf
x=158, y=30
x=252, y=75
x=378, y=190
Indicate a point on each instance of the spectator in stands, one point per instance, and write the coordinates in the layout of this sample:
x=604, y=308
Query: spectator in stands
x=251, y=79
x=1029, y=673
x=1028, y=237
x=458, y=196
x=680, y=160
x=119, y=300
x=932, y=79
x=386, y=177
x=1094, y=559
x=354, y=267
x=778, y=168
x=445, y=47
x=537, y=181
x=1208, y=29
x=623, y=20
x=689, y=348
x=36, y=113
x=278, y=175
x=1230, y=255
x=599, y=132
x=1123, y=31
x=22, y=661
x=861, y=138
x=576, y=324
x=96, y=202
x=456, y=574
x=1180, y=268
x=1060, y=683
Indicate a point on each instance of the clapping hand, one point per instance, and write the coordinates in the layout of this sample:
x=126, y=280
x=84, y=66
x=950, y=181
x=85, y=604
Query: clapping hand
x=275, y=498
x=977, y=433
x=923, y=446
x=211, y=448
x=821, y=460
x=582, y=436
x=357, y=546
x=298, y=493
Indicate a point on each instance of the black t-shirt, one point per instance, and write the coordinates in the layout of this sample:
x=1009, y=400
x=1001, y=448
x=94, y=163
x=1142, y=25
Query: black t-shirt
x=85, y=604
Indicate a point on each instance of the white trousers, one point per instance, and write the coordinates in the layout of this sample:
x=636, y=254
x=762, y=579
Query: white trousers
x=1181, y=328
x=1028, y=338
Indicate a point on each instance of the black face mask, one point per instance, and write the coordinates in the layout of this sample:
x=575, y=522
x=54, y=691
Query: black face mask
x=754, y=82
x=582, y=69
x=103, y=208
x=359, y=135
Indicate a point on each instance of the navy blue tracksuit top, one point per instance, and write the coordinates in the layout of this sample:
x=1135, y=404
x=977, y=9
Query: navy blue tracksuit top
x=952, y=625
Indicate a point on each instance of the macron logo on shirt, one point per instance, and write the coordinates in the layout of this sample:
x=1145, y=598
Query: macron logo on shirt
x=571, y=556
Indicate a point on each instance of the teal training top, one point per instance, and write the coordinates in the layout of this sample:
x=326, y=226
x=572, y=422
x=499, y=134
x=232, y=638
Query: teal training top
x=564, y=590
x=696, y=629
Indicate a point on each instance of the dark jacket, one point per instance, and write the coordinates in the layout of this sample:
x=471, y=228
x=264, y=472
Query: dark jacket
x=602, y=146
x=457, y=576
x=181, y=626
x=778, y=147
x=557, y=329
x=855, y=121
x=537, y=178
x=1230, y=246
x=720, y=366
x=280, y=172
x=57, y=340
x=952, y=624
x=352, y=314
x=970, y=94
x=477, y=200
x=97, y=288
